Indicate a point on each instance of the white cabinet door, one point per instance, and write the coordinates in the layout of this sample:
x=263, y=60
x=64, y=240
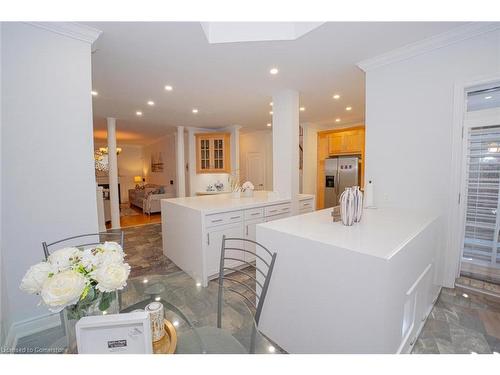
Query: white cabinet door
x=250, y=234
x=214, y=244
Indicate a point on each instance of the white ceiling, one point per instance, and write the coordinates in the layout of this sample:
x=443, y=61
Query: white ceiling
x=229, y=83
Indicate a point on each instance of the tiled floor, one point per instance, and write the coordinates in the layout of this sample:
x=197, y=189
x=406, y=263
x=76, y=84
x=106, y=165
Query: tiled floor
x=460, y=322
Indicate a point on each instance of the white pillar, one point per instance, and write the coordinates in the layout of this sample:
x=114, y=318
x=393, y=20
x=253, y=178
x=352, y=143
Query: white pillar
x=286, y=145
x=113, y=174
x=235, y=149
x=181, y=170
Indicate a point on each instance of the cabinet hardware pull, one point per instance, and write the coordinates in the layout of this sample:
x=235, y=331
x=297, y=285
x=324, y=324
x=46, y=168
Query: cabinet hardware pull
x=235, y=217
x=273, y=210
x=247, y=230
x=256, y=213
x=216, y=221
x=284, y=209
x=208, y=239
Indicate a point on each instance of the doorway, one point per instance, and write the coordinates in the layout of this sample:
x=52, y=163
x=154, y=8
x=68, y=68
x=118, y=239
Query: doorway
x=480, y=192
x=256, y=169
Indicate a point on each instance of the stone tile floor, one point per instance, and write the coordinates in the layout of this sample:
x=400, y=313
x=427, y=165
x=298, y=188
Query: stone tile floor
x=460, y=322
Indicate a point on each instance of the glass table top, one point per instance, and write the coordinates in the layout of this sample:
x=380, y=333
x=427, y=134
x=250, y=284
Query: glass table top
x=192, y=309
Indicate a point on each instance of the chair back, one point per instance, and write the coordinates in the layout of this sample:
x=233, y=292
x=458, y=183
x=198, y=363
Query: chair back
x=83, y=240
x=263, y=270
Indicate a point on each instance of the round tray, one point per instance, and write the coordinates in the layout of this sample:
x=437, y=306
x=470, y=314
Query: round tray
x=168, y=343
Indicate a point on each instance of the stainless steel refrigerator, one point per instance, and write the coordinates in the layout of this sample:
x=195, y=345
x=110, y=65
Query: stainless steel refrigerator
x=340, y=172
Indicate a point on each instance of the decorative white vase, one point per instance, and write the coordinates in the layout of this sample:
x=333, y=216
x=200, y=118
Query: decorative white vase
x=358, y=204
x=347, y=209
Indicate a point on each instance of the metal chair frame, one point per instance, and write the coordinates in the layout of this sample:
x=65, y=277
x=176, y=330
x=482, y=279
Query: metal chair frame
x=222, y=276
x=119, y=235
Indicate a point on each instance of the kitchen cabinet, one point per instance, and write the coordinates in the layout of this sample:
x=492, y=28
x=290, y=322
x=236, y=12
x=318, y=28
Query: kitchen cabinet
x=346, y=142
x=213, y=153
x=213, y=246
x=250, y=234
x=306, y=205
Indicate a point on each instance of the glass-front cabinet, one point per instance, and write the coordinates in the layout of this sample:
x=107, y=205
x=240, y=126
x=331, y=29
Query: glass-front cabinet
x=212, y=153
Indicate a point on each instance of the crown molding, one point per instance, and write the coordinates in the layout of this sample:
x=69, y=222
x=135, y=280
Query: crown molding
x=454, y=35
x=72, y=30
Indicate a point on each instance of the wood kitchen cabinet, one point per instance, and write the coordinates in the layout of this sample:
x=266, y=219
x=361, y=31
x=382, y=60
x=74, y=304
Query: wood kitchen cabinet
x=213, y=153
x=346, y=142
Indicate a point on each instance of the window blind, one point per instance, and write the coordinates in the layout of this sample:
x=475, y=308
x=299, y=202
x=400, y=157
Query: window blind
x=482, y=217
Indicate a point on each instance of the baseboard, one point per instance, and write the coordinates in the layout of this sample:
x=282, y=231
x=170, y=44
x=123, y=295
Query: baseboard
x=30, y=326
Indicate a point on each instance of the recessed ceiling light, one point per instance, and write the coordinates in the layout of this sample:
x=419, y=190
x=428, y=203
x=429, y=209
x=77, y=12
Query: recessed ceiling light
x=94, y=93
x=336, y=96
x=348, y=108
x=151, y=103
x=271, y=104
x=337, y=120
x=139, y=113
x=302, y=109
x=270, y=112
x=488, y=97
x=269, y=125
x=168, y=88
x=274, y=71
x=195, y=110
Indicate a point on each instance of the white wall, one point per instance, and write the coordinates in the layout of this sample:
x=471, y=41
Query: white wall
x=130, y=164
x=262, y=142
x=48, y=183
x=409, y=124
x=165, y=145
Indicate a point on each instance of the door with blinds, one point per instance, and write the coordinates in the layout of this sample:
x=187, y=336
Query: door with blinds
x=481, y=195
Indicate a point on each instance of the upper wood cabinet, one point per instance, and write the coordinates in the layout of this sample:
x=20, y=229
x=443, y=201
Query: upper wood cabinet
x=213, y=153
x=346, y=142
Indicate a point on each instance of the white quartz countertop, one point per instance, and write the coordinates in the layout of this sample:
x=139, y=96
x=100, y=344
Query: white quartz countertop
x=382, y=232
x=224, y=202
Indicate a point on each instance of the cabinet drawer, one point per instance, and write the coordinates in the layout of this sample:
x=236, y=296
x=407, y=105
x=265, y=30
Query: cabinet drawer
x=254, y=213
x=277, y=209
x=306, y=204
x=223, y=218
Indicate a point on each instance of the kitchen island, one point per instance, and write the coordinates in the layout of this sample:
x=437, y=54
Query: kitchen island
x=367, y=288
x=192, y=227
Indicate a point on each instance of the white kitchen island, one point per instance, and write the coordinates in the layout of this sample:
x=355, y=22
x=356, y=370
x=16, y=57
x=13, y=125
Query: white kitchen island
x=367, y=288
x=192, y=227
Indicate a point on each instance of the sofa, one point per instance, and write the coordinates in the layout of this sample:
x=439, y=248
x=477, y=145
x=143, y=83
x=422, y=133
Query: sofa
x=148, y=198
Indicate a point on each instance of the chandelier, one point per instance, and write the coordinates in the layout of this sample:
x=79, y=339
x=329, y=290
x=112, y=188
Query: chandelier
x=104, y=150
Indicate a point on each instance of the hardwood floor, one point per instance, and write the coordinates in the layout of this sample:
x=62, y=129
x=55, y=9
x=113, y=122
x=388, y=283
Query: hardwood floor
x=136, y=218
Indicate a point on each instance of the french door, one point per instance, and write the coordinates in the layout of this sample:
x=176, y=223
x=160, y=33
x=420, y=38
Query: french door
x=481, y=195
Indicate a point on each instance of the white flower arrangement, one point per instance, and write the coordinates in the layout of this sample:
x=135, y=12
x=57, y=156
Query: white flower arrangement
x=76, y=278
x=247, y=185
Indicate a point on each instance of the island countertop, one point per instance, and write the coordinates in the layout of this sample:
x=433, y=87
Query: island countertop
x=224, y=202
x=381, y=232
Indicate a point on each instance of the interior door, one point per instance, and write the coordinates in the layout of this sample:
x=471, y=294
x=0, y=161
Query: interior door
x=255, y=169
x=480, y=196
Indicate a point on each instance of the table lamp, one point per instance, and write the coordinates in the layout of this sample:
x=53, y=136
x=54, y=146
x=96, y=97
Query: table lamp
x=137, y=180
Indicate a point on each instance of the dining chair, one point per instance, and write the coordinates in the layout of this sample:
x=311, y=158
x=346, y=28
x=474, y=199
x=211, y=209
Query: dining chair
x=87, y=239
x=216, y=339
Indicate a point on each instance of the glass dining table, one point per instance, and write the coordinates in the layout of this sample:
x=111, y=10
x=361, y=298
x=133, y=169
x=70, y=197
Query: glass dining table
x=192, y=310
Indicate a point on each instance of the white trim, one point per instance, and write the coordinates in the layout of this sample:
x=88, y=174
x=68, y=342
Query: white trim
x=30, y=326
x=454, y=238
x=454, y=35
x=73, y=30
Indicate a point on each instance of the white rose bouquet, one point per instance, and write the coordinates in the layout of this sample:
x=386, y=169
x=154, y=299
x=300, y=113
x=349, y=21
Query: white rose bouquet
x=75, y=278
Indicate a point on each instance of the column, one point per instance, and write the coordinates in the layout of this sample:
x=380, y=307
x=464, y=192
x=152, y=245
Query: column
x=113, y=174
x=181, y=170
x=286, y=145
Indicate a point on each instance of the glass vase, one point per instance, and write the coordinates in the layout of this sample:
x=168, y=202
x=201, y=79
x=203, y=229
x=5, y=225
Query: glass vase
x=72, y=314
